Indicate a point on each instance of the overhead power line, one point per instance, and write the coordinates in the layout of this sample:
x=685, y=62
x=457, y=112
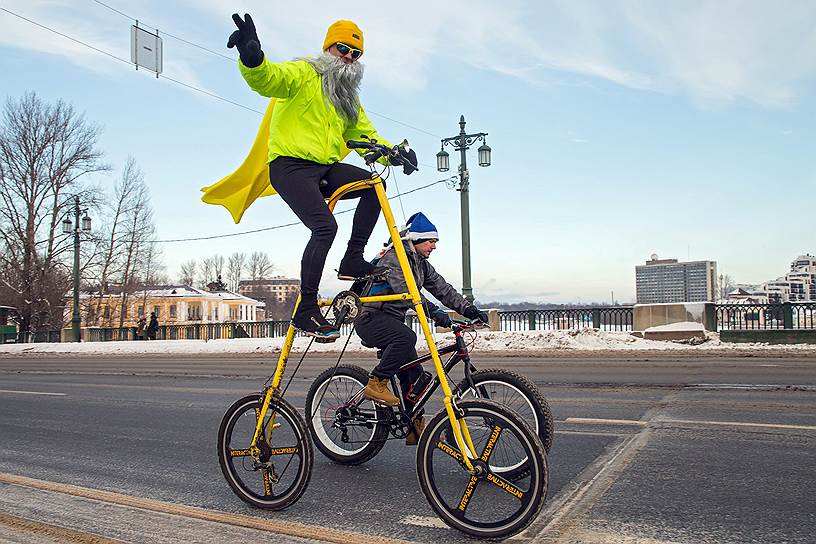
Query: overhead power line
x=232, y=60
x=165, y=33
x=276, y=227
x=98, y=50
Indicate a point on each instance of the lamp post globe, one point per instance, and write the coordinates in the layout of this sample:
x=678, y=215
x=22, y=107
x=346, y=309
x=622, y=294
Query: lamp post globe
x=484, y=155
x=442, y=161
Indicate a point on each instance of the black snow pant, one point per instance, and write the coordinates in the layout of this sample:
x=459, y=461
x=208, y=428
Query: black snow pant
x=398, y=342
x=297, y=181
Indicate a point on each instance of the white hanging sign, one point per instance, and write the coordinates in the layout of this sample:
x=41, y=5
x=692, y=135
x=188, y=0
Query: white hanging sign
x=146, y=49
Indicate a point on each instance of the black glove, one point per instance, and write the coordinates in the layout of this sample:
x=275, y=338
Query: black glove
x=406, y=157
x=442, y=319
x=475, y=314
x=246, y=40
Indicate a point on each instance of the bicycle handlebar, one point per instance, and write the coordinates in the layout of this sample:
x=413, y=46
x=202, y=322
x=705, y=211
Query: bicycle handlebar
x=458, y=325
x=376, y=150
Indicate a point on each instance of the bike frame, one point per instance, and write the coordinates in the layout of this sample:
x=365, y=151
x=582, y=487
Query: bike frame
x=460, y=430
x=460, y=354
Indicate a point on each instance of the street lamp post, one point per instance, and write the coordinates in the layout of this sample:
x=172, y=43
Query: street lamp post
x=68, y=228
x=462, y=142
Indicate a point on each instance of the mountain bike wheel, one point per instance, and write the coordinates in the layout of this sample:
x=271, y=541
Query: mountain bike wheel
x=485, y=504
x=345, y=432
x=279, y=476
x=520, y=395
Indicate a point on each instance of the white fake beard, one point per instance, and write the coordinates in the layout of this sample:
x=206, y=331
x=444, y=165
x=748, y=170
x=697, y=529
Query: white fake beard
x=341, y=83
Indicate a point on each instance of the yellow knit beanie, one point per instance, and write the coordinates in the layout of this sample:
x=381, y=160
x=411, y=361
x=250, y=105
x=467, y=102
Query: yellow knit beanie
x=346, y=32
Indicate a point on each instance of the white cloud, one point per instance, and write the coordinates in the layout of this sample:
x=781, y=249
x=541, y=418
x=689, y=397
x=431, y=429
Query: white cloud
x=712, y=52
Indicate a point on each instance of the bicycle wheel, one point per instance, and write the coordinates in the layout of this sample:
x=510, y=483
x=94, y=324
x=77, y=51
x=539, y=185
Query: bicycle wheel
x=517, y=393
x=279, y=476
x=345, y=431
x=484, y=504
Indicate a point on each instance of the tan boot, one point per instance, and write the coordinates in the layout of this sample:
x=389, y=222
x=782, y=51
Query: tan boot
x=378, y=391
x=413, y=438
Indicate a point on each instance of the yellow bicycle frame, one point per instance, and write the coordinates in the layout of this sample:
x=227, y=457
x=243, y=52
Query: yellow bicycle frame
x=460, y=430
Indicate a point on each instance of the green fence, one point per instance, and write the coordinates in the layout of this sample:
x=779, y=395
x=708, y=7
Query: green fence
x=748, y=317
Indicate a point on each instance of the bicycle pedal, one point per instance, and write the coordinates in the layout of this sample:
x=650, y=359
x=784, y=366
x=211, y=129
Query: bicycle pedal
x=376, y=278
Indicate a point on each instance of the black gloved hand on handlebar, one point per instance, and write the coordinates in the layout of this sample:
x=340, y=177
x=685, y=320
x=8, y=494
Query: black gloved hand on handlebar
x=246, y=40
x=475, y=314
x=406, y=157
x=442, y=319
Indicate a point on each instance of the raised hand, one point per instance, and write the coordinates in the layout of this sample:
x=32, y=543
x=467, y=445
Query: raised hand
x=246, y=40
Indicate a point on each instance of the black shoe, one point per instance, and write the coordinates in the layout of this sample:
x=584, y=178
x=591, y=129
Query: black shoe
x=311, y=322
x=355, y=268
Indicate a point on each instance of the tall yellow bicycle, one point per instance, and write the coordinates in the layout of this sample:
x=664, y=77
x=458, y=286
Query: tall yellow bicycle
x=266, y=454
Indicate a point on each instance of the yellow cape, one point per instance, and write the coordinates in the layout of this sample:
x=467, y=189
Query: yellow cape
x=237, y=191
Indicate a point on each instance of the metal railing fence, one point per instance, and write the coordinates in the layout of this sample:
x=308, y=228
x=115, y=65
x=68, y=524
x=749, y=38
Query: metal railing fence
x=611, y=318
x=784, y=316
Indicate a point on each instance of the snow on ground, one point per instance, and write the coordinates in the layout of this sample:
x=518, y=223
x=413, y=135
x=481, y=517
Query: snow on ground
x=516, y=342
x=680, y=326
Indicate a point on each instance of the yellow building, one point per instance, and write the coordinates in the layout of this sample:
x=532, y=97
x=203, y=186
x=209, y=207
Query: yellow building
x=172, y=304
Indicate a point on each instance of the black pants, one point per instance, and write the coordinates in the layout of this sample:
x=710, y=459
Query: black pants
x=397, y=341
x=297, y=181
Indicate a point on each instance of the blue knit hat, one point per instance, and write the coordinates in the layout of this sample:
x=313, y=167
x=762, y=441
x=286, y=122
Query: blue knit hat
x=419, y=227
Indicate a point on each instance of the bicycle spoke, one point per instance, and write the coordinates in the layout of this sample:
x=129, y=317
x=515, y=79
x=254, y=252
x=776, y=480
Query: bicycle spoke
x=286, y=450
x=267, y=483
x=470, y=488
x=504, y=485
x=449, y=450
x=491, y=442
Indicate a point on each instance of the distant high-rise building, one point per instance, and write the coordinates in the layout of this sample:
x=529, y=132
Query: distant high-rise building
x=667, y=280
x=797, y=285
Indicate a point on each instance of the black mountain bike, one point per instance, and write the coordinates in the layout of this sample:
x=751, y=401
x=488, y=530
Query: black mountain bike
x=351, y=430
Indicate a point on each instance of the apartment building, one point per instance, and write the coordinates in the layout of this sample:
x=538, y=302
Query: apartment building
x=667, y=280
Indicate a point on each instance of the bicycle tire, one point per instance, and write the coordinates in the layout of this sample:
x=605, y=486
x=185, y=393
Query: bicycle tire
x=544, y=424
x=240, y=419
x=348, y=379
x=438, y=466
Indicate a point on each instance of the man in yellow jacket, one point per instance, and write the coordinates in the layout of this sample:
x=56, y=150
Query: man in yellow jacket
x=317, y=111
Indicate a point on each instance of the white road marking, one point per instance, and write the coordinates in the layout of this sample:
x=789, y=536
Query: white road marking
x=33, y=393
x=806, y=387
x=595, y=421
x=424, y=521
x=739, y=424
x=635, y=422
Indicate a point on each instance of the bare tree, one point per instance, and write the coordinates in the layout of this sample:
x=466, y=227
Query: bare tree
x=726, y=285
x=259, y=266
x=141, y=258
x=207, y=271
x=218, y=265
x=45, y=152
x=235, y=270
x=188, y=272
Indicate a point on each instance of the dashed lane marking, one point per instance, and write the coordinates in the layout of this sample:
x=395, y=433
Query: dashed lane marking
x=596, y=421
x=738, y=424
x=289, y=528
x=639, y=423
x=33, y=393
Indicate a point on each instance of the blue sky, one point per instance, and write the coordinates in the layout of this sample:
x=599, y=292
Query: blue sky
x=618, y=129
